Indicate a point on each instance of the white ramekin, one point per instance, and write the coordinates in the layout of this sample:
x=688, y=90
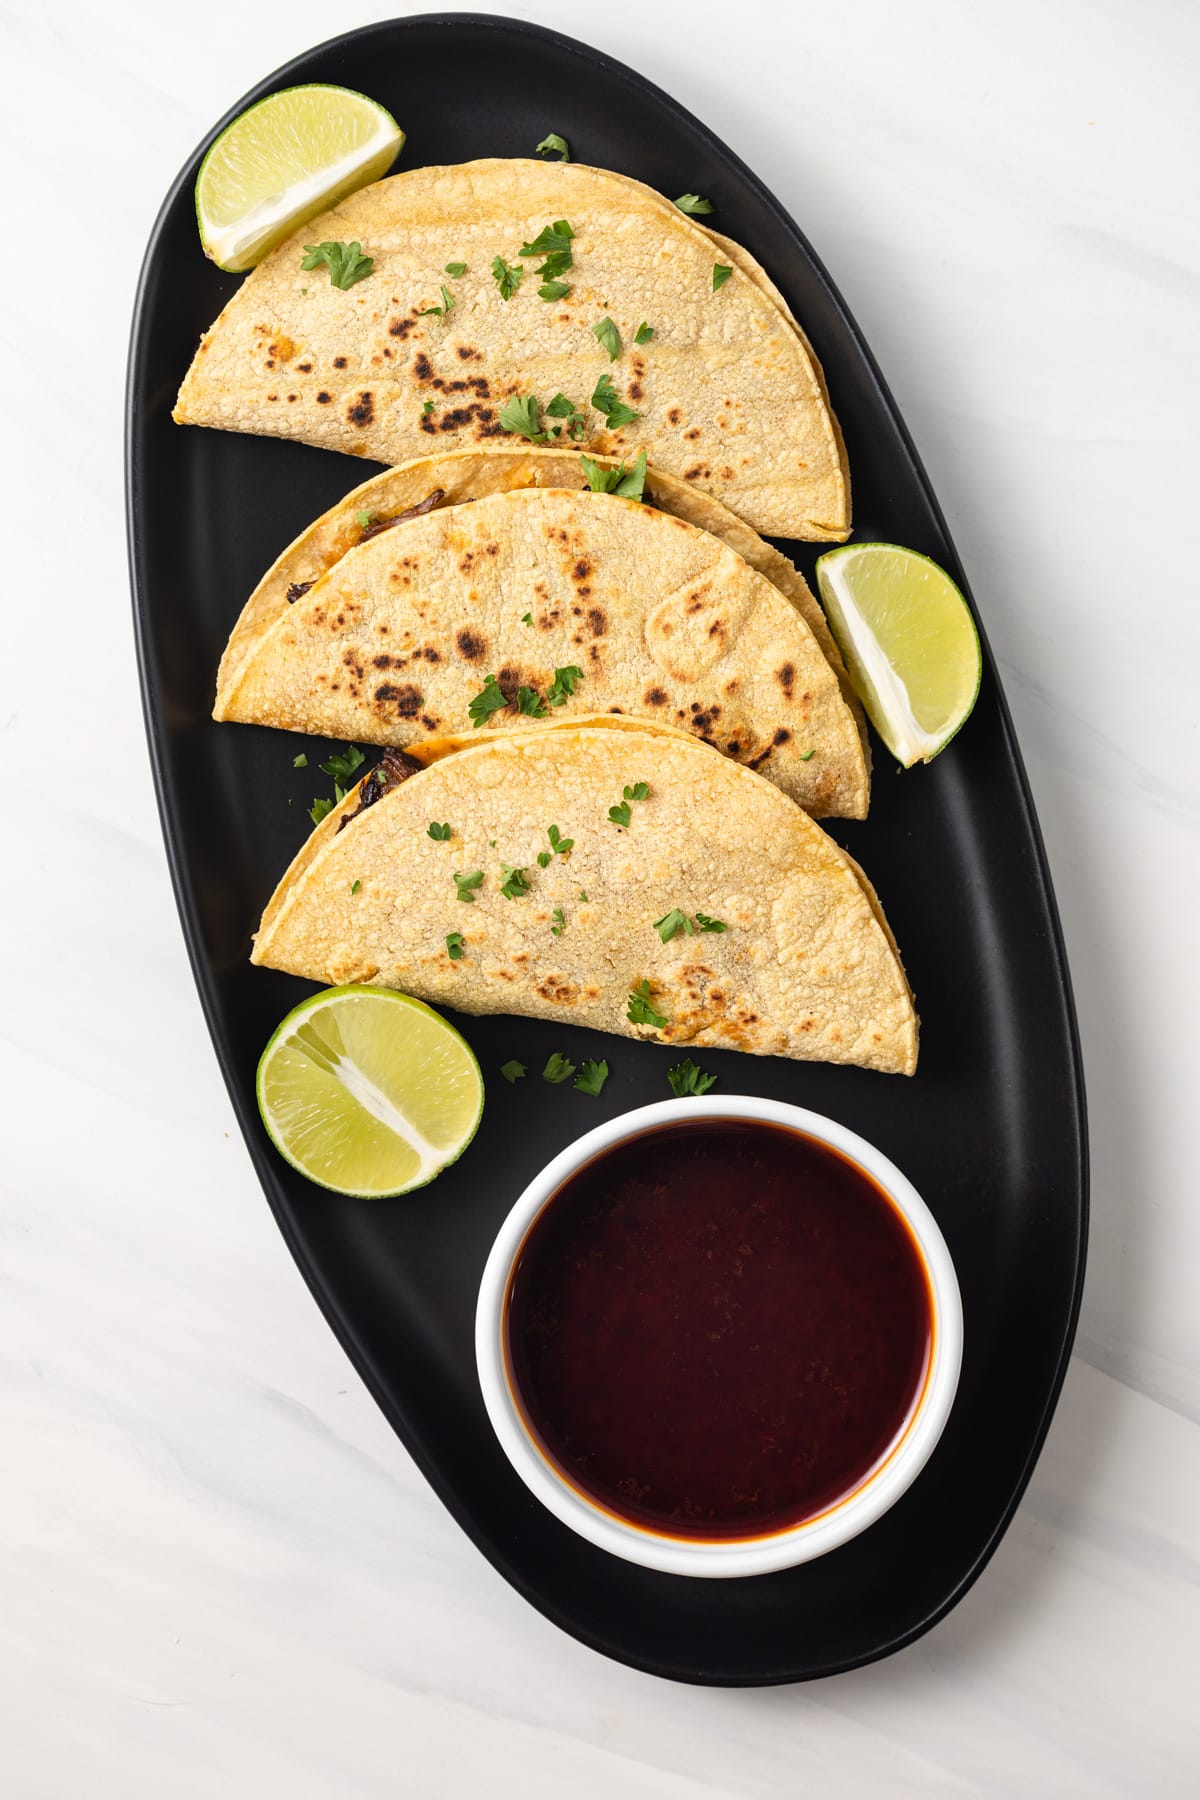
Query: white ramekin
x=742, y=1556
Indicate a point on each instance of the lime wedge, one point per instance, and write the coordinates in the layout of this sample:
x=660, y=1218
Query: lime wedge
x=909, y=643
x=369, y=1092
x=284, y=161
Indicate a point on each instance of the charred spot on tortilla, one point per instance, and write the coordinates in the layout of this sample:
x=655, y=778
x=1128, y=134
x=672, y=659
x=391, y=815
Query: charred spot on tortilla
x=392, y=768
x=339, y=362
x=655, y=697
x=782, y=736
x=323, y=398
x=406, y=701
x=400, y=328
x=786, y=677
x=471, y=644
x=674, y=415
x=298, y=590
x=363, y=410
x=422, y=367
x=305, y=368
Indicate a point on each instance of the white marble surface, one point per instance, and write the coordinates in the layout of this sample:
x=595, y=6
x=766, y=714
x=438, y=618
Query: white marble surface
x=220, y=1573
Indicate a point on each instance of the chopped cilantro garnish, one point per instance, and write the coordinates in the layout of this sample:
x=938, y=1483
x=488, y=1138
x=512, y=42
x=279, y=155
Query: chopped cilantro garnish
x=439, y=833
x=686, y=1078
x=554, y=243
x=520, y=415
x=558, y=1069
x=516, y=883
x=466, y=885
x=630, y=484
x=454, y=270
x=345, y=262
x=427, y=408
x=562, y=408
x=693, y=203
x=554, y=290
x=807, y=755
x=530, y=702
x=721, y=274
x=582, y=895
x=488, y=700
x=527, y=618
x=560, y=919
x=343, y=767
x=508, y=276
x=354, y=886
x=641, y=1011
x=639, y=791
x=619, y=815
x=564, y=684
x=545, y=858
x=592, y=1077
x=704, y=923
x=454, y=946
x=606, y=401
x=644, y=333
x=607, y=335
x=672, y=923
x=363, y=519
x=512, y=1071
x=558, y=843
x=300, y=762
x=439, y=311
x=554, y=145
x=320, y=809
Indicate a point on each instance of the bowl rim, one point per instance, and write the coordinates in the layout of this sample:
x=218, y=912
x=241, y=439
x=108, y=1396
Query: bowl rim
x=723, y=1557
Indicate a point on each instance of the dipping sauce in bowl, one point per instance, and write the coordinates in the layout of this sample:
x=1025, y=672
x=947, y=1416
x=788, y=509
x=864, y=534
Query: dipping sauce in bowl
x=718, y=1329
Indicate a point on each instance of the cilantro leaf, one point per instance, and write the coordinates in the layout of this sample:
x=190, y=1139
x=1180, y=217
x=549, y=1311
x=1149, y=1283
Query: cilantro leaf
x=558, y=843
x=427, y=409
x=544, y=858
x=606, y=401
x=354, y=886
x=516, y=883
x=672, y=923
x=582, y=895
x=641, y=1010
x=527, y=618
x=440, y=311
x=620, y=815
x=630, y=484
x=508, y=276
x=704, y=923
x=558, y=1069
x=554, y=290
x=300, y=762
x=639, y=791
x=564, y=684
x=520, y=415
x=607, y=335
x=530, y=702
x=466, y=885
x=363, y=519
x=693, y=203
x=552, y=144
x=512, y=1071
x=454, y=270
x=721, y=274
x=686, y=1078
x=454, y=946
x=560, y=918
x=562, y=408
x=488, y=700
x=345, y=262
x=343, y=767
x=551, y=240
x=592, y=1077
x=808, y=755
x=320, y=809
x=439, y=833
x=644, y=333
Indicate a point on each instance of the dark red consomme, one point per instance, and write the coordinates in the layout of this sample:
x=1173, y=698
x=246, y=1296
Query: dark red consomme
x=718, y=1330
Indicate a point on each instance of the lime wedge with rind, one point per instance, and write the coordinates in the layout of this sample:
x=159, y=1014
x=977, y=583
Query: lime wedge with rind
x=369, y=1092
x=909, y=643
x=282, y=162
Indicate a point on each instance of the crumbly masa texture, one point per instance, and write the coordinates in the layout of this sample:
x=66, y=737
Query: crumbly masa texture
x=807, y=968
x=664, y=621
x=462, y=475
x=730, y=398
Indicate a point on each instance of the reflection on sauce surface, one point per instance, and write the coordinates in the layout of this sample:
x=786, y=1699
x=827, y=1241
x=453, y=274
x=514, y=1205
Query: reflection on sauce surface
x=718, y=1330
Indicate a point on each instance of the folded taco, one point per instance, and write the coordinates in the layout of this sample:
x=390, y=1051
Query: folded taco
x=509, y=297
x=531, y=603
x=617, y=877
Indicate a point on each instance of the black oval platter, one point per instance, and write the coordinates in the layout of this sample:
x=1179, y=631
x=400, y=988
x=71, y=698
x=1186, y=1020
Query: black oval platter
x=992, y=1127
